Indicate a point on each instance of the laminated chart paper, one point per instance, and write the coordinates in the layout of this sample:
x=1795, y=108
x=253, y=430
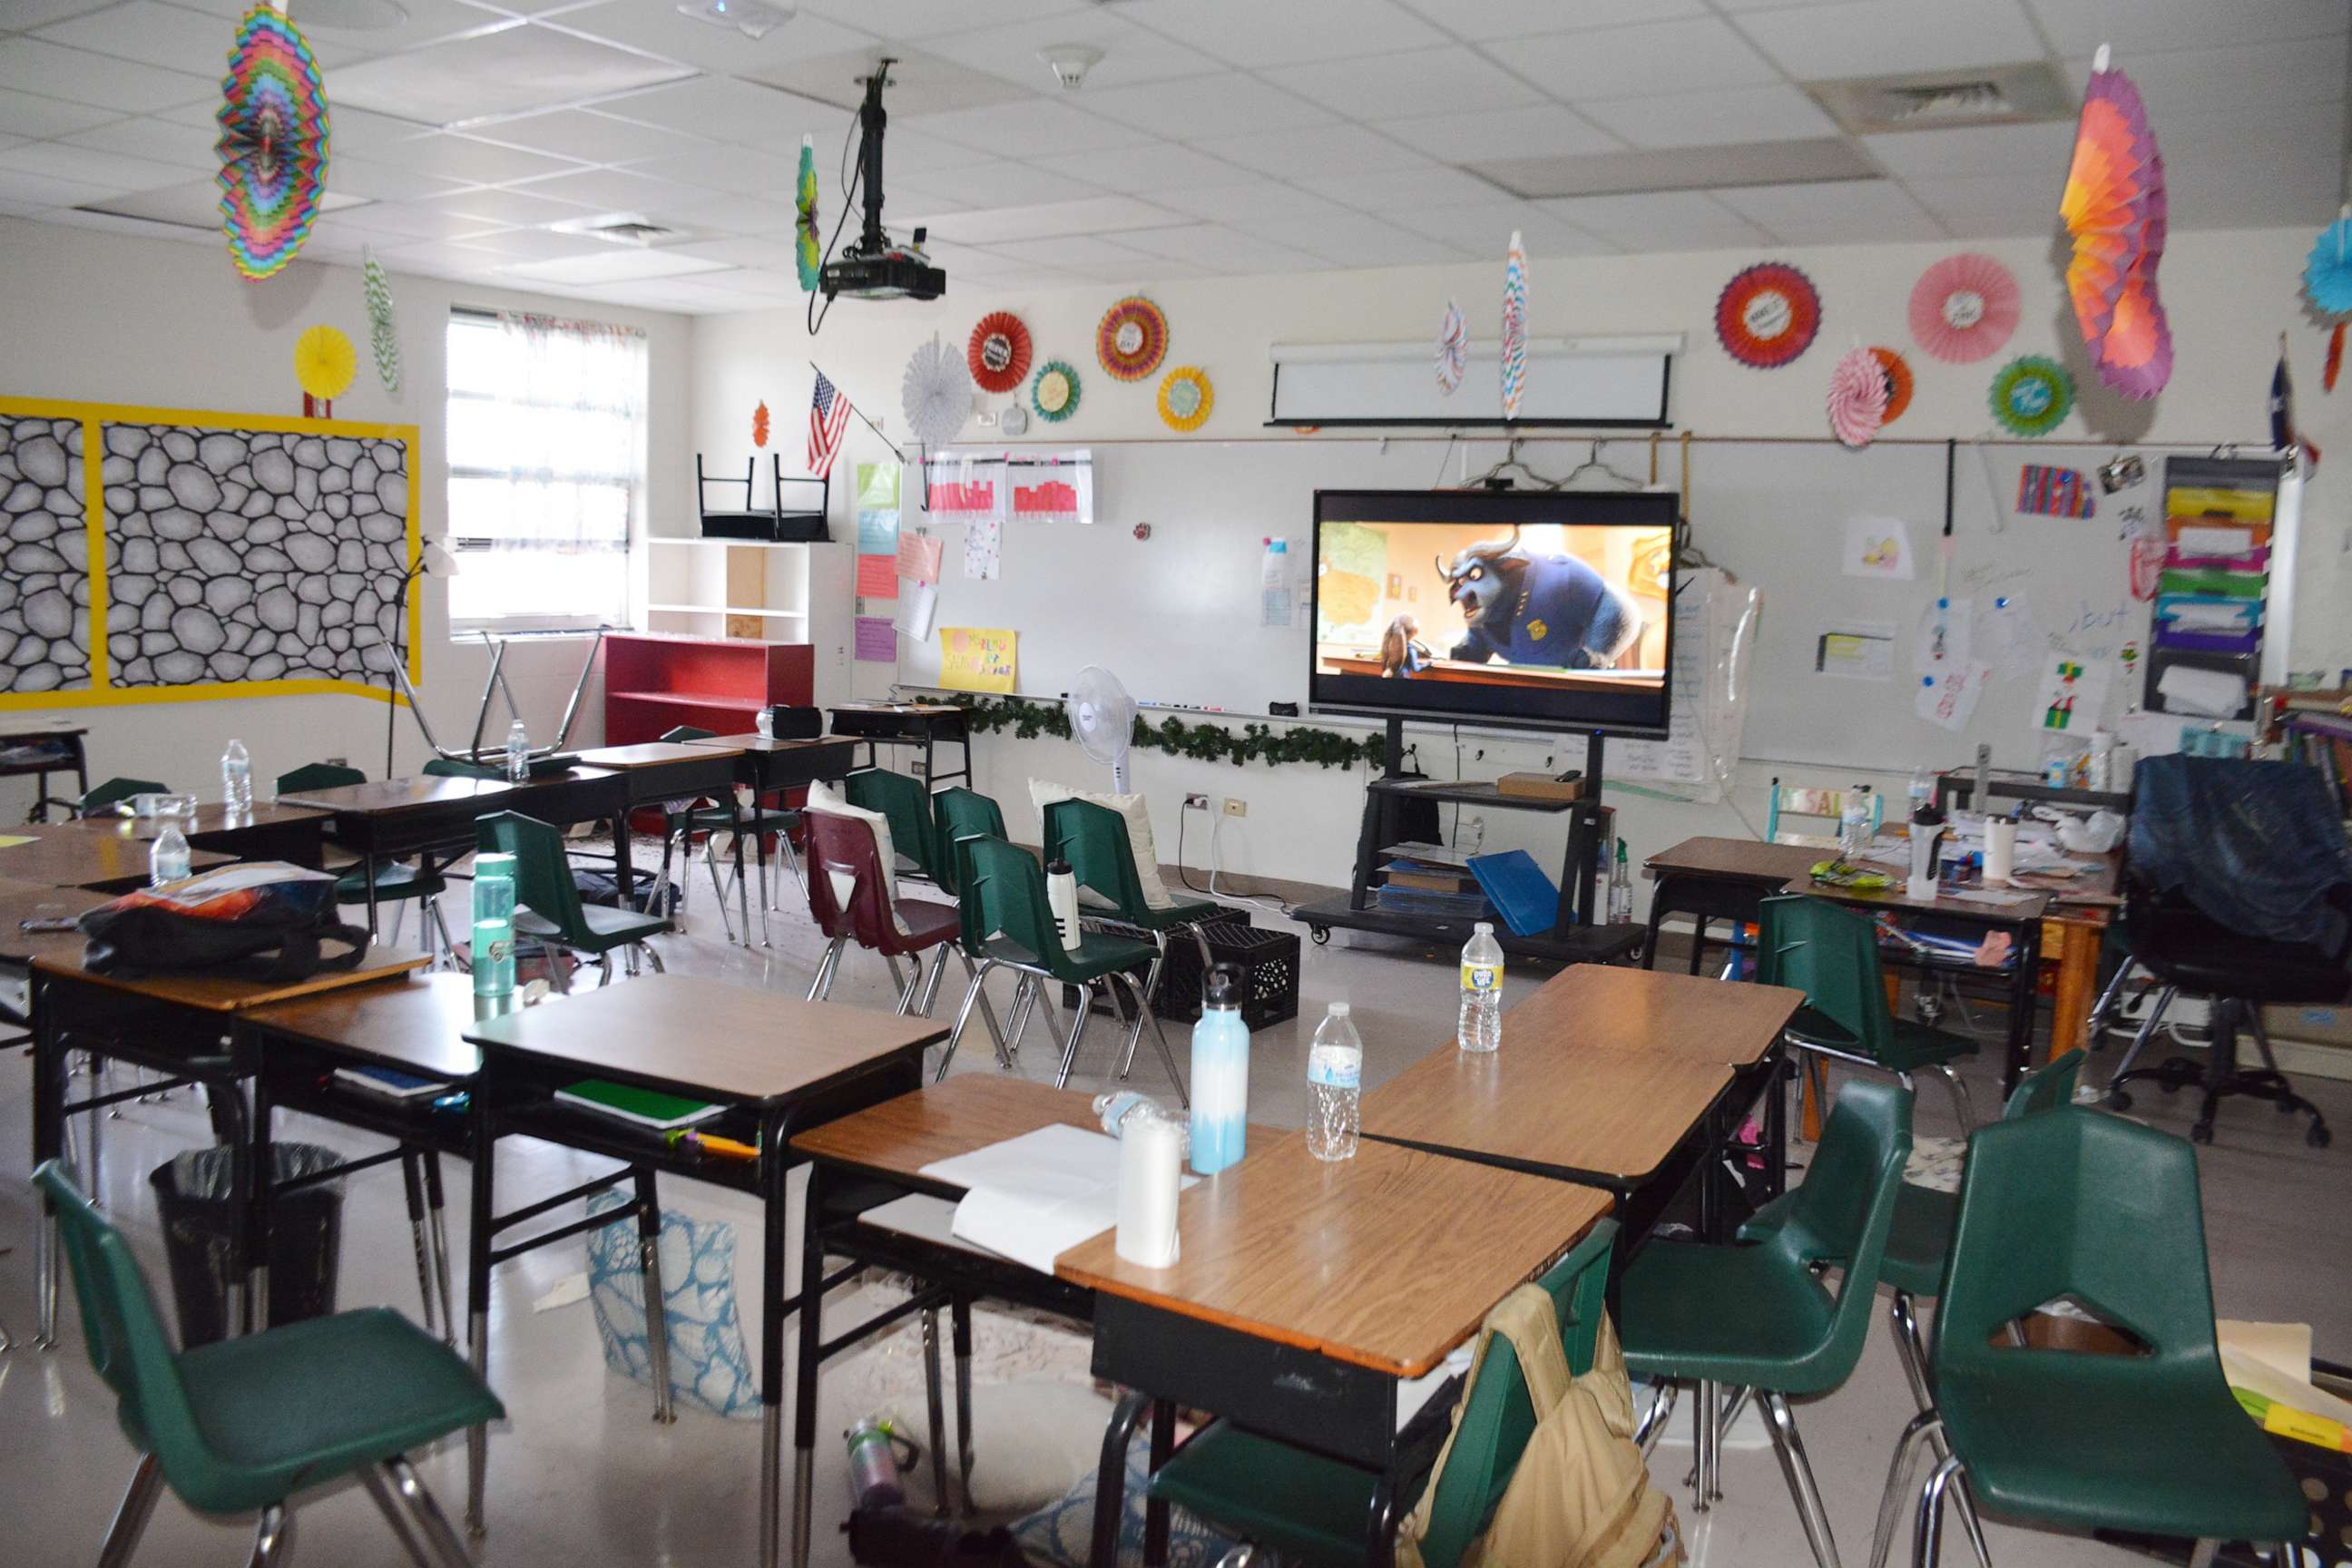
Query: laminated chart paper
x=919, y=558
x=971, y=491
x=977, y=658
x=876, y=642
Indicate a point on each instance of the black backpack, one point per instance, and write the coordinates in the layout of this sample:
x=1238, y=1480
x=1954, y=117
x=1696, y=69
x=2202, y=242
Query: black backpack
x=261, y=920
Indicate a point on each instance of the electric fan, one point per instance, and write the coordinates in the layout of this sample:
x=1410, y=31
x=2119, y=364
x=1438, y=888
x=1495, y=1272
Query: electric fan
x=1102, y=717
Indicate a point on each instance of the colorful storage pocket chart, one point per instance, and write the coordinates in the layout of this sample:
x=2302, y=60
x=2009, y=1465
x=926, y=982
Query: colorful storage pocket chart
x=2207, y=628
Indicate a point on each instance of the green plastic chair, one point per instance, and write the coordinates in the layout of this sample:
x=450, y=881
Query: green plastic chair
x=445, y=768
x=107, y=792
x=1315, y=1509
x=1831, y=954
x=1093, y=838
x=396, y=881
x=1755, y=1317
x=908, y=805
x=245, y=1424
x=1005, y=923
x=548, y=910
x=2081, y=1205
x=961, y=813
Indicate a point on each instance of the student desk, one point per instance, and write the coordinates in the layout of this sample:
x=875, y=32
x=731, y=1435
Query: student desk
x=22, y=901
x=294, y=834
x=61, y=855
x=184, y=1026
x=924, y=724
x=1306, y=1292
x=780, y=1065
x=1718, y=879
x=766, y=766
x=46, y=747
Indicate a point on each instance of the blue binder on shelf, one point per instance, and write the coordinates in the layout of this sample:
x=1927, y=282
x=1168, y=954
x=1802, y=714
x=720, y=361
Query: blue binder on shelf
x=1529, y=903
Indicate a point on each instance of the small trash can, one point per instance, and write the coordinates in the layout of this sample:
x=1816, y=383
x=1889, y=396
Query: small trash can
x=305, y=1234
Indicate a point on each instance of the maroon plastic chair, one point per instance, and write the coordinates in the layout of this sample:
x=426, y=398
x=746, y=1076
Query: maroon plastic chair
x=844, y=846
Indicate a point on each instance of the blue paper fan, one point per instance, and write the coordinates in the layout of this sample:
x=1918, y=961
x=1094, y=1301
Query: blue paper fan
x=2328, y=271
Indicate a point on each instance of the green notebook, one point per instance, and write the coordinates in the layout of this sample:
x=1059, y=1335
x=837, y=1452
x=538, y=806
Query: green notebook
x=644, y=1107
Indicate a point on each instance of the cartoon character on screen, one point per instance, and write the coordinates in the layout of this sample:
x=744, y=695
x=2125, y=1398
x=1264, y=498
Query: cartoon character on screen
x=1402, y=651
x=1523, y=609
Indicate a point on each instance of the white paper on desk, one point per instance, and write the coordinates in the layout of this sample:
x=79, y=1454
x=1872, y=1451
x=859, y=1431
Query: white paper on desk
x=1033, y=1197
x=2211, y=693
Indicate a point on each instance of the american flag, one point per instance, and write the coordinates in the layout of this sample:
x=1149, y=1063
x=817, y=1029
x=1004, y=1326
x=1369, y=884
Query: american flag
x=828, y=417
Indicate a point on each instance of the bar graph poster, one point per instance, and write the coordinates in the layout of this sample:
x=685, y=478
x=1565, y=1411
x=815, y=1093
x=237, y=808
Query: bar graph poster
x=977, y=658
x=1053, y=488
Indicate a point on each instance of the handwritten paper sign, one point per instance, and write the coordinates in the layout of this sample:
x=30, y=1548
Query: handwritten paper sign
x=919, y=558
x=977, y=658
x=876, y=642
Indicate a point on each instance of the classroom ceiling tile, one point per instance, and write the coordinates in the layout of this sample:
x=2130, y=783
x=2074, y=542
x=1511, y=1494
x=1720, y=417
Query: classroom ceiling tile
x=385, y=182
x=1402, y=190
x=1229, y=103
x=1484, y=229
x=755, y=286
x=1131, y=56
x=27, y=13
x=1977, y=207
x=1977, y=150
x=535, y=244
x=2294, y=186
x=1890, y=37
x=1689, y=56
x=170, y=36
x=1362, y=87
x=494, y=208
x=1255, y=34
x=464, y=158
x=1325, y=150
x=1837, y=212
x=1027, y=128
x=17, y=185
x=709, y=213
x=737, y=170
x=584, y=134
x=1073, y=251
x=438, y=257
x=997, y=183
x=1157, y=167
x=418, y=220
x=911, y=21
x=1354, y=239
x=921, y=83
x=1480, y=19
x=659, y=29
x=612, y=264
x=1091, y=214
x=162, y=141
x=607, y=190
x=2194, y=82
x=89, y=166
x=2079, y=26
x=776, y=254
x=426, y=21
x=1657, y=220
x=1221, y=250
x=968, y=264
x=725, y=110
x=1547, y=131
x=196, y=205
x=28, y=115
x=1237, y=202
x=101, y=81
x=502, y=72
x=1717, y=119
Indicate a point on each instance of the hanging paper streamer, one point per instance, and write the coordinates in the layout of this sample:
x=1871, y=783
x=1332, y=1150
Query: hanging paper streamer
x=760, y=426
x=1857, y=400
x=1185, y=398
x=324, y=364
x=1132, y=338
x=2334, y=359
x=1515, y=326
x=383, y=334
x=2054, y=492
x=998, y=353
x=2114, y=211
x=932, y=394
x=1898, y=372
x=273, y=143
x=2032, y=395
x=1767, y=315
x=1453, y=348
x=1964, y=308
x=805, y=253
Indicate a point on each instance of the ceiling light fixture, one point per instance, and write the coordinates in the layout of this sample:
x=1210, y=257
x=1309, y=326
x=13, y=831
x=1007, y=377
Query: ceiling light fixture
x=1070, y=62
x=752, y=18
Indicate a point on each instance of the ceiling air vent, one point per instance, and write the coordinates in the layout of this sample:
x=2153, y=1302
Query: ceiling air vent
x=622, y=228
x=1939, y=101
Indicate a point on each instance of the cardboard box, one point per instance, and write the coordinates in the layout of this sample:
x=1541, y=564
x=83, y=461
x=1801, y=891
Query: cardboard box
x=2313, y=1024
x=1542, y=786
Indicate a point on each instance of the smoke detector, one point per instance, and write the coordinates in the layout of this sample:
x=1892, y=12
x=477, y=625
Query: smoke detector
x=1070, y=62
x=752, y=18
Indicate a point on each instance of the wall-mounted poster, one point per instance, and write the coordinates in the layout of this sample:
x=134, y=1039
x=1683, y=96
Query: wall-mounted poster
x=977, y=658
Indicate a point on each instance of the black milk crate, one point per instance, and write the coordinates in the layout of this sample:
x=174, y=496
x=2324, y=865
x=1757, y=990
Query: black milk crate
x=1268, y=960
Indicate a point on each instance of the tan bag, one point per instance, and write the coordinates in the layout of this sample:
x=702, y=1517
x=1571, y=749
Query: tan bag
x=1581, y=1496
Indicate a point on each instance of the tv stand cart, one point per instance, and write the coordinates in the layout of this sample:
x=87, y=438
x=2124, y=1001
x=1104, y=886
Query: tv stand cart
x=1576, y=937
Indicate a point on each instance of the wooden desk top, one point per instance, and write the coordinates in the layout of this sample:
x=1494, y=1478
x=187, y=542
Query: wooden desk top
x=1388, y=1260
x=228, y=993
x=1566, y=1109
x=16, y=728
x=758, y=743
x=212, y=817
x=414, y=1022
x=22, y=901
x=1594, y=1006
x=1740, y=859
x=652, y=755
x=379, y=798
x=972, y=1110
x=2035, y=906
x=62, y=855
x=698, y=1037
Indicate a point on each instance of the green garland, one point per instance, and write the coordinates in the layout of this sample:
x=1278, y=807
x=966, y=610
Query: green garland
x=1203, y=742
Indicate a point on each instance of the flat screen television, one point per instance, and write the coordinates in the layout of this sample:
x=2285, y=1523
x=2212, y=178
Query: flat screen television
x=1541, y=609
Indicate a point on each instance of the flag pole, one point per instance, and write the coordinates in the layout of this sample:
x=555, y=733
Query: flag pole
x=862, y=419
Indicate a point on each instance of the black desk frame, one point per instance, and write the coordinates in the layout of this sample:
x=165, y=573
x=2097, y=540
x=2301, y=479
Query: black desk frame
x=879, y=728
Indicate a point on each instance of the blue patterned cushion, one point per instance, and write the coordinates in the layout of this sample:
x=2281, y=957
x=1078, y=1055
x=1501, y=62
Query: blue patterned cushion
x=1063, y=1532
x=708, y=1366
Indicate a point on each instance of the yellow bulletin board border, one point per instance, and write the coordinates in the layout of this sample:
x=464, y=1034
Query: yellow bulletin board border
x=101, y=692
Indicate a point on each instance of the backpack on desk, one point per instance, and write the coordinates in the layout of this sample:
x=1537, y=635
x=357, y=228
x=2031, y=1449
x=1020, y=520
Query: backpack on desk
x=263, y=920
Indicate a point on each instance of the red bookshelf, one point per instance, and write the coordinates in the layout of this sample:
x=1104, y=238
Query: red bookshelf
x=654, y=684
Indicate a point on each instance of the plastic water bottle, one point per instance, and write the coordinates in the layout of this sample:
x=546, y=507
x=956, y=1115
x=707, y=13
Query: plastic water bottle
x=517, y=753
x=236, y=779
x=167, y=861
x=1853, y=823
x=1480, y=1027
x=1923, y=791
x=1335, y=1087
x=1220, y=1075
x=1620, y=889
x=874, y=1465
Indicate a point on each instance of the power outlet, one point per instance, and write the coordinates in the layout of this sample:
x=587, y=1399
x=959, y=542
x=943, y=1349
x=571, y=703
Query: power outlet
x=1195, y=801
x=1236, y=806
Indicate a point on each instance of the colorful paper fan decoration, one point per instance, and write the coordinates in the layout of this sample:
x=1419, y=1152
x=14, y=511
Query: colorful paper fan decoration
x=1055, y=394
x=2032, y=395
x=272, y=145
x=1453, y=348
x=999, y=351
x=2327, y=270
x=1132, y=338
x=1964, y=308
x=806, y=252
x=760, y=425
x=1897, y=371
x=384, y=332
x=1515, y=326
x=1857, y=400
x=935, y=394
x=324, y=364
x=1767, y=315
x=1185, y=398
x=2114, y=210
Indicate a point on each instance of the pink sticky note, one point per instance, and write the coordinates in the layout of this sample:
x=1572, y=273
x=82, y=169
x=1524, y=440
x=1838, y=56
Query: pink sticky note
x=919, y=558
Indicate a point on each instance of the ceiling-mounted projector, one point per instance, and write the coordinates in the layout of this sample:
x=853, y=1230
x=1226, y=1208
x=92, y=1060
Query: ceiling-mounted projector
x=876, y=266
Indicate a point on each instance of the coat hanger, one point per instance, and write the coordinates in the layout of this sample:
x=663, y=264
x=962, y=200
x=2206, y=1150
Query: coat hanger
x=1593, y=463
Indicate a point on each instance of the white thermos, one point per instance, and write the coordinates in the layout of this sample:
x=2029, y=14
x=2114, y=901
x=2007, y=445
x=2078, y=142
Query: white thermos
x=1150, y=1172
x=1062, y=899
x=2000, y=848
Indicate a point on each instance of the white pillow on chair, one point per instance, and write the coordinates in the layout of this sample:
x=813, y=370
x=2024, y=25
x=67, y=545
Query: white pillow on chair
x=1044, y=792
x=824, y=798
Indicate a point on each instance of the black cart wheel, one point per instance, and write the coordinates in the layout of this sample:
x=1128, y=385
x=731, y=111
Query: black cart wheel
x=2118, y=1100
x=2201, y=1132
x=1321, y=935
x=2319, y=1137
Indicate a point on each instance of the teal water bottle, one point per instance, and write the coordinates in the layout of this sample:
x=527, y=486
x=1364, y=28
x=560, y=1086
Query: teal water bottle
x=494, y=909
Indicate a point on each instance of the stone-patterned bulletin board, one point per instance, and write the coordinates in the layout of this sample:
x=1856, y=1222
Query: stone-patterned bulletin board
x=244, y=554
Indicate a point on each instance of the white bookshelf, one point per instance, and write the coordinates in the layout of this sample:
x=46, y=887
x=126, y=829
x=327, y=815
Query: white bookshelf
x=696, y=586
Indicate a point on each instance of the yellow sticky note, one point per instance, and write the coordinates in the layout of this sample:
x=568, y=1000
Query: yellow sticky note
x=977, y=658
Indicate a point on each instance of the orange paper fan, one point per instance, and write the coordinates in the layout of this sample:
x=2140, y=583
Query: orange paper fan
x=1897, y=371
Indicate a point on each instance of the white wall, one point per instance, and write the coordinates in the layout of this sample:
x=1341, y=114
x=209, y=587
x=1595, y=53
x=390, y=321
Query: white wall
x=117, y=318
x=2228, y=295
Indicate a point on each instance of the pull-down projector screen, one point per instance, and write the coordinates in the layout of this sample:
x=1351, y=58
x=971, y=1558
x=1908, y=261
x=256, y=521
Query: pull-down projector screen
x=1581, y=382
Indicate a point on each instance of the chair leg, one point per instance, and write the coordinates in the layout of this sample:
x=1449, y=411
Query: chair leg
x=914, y=984
x=937, y=1409
x=1160, y=1036
x=2261, y=1039
x=558, y=971
x=273, y=1539
x=1024, y=1000
x=2140, y=1043
x=1913, y=1353
x=1898, y=1484
x=432, y=1525
x=2105, y=1007
x=1078, y=1031
x=1927, y=1541
x=718, y=892
x=1799, y=1471
x=440, y=1234
x=399, y=918
x=651, y=957
x=1654, y=1421
x=604, y=969
x=760, y=844
x=791, y=859
x=959, y=1318
x=441, y=924
x=1704, y=1414
x=379, y=1492
x=131, y=1514
x=931, y=987
x=831, y=956
x=1961, y=1106
x=412, y=1180
x=2201, y=1556
x=657, y=1299
x=1150, y=988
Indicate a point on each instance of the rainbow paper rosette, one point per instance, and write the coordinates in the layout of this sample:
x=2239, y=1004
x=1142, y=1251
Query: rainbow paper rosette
x=273, y=143
x=1515, y=327
x=806, y=258
x=2114, y=211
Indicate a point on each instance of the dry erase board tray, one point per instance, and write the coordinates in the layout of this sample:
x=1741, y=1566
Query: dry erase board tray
x=1469, y=794
x=1569, y=944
